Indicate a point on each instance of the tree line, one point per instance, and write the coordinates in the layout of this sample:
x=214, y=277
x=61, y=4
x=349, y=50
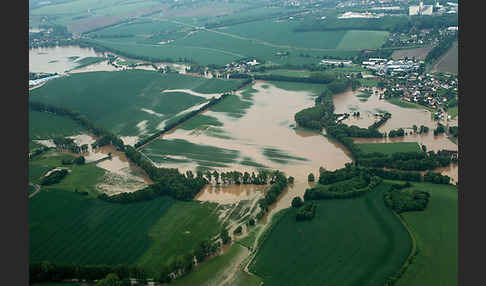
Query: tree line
x=105, y=137
x=279, y=183
x=409, y=161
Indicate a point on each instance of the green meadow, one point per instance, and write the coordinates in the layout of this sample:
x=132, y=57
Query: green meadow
x=349, y=242
x=90, y=231
x=389, y=148
x=436, y=232
x=43, y=125
x=131, y=102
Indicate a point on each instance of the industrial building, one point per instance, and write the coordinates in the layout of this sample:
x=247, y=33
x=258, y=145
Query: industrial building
x=421, y=9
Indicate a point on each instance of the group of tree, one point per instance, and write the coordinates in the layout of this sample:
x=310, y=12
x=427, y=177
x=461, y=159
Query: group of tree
x=68, y=144
x=401, y=199
x=439, y=130
x=306, y=212
x=348, y=182
x=77, y=160
x=54, y=177
x=454, y=130
x=400, y=132
x=278, y=183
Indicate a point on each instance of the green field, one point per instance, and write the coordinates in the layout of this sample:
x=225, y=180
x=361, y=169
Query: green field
x=349, y=242
x=82, y=177
x=44, y=125
x=436, y=232
x=91, y=231
x=389, y=148
x=180, y=230
x=119, y=101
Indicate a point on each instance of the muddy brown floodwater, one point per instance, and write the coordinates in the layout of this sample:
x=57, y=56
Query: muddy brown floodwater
x=56, y=59
x=269, y=123
x=401, y=118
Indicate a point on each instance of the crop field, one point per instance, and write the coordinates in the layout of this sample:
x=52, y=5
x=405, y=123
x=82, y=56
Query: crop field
x=91, y=231
x=417, y=53
x=436, y=232
x=129, y=103
x=449, y=62
x=389, y=148
x=360, y=40
x=349, y=242
x=44, y=125
x=179, y=231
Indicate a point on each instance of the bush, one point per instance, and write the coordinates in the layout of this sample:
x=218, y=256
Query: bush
x=297, y=202
x=306, y=212
x=311, y=178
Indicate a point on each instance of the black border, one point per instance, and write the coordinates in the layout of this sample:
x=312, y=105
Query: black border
x=15, y=210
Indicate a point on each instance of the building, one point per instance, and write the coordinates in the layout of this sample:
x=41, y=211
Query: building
x=421, y=9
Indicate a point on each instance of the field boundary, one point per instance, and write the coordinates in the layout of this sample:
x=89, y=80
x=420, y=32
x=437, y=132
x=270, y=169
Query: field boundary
x=413, y=252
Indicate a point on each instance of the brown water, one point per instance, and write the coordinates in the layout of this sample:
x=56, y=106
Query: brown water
x=56, y=59
x=401, y=118
x=267, y=124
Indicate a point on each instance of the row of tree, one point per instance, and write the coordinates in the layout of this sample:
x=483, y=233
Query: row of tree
x=279, y=183
x=106, y=137
x=46, y=271
x=383, y=119
x=410, y=161
x=306, y=212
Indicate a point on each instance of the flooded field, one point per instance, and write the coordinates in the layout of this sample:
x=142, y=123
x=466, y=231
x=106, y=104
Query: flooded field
x=57, y=59
x=265, y=135
x=121, y=176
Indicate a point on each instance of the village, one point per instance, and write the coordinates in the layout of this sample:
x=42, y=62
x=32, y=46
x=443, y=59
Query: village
x=406, y=80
